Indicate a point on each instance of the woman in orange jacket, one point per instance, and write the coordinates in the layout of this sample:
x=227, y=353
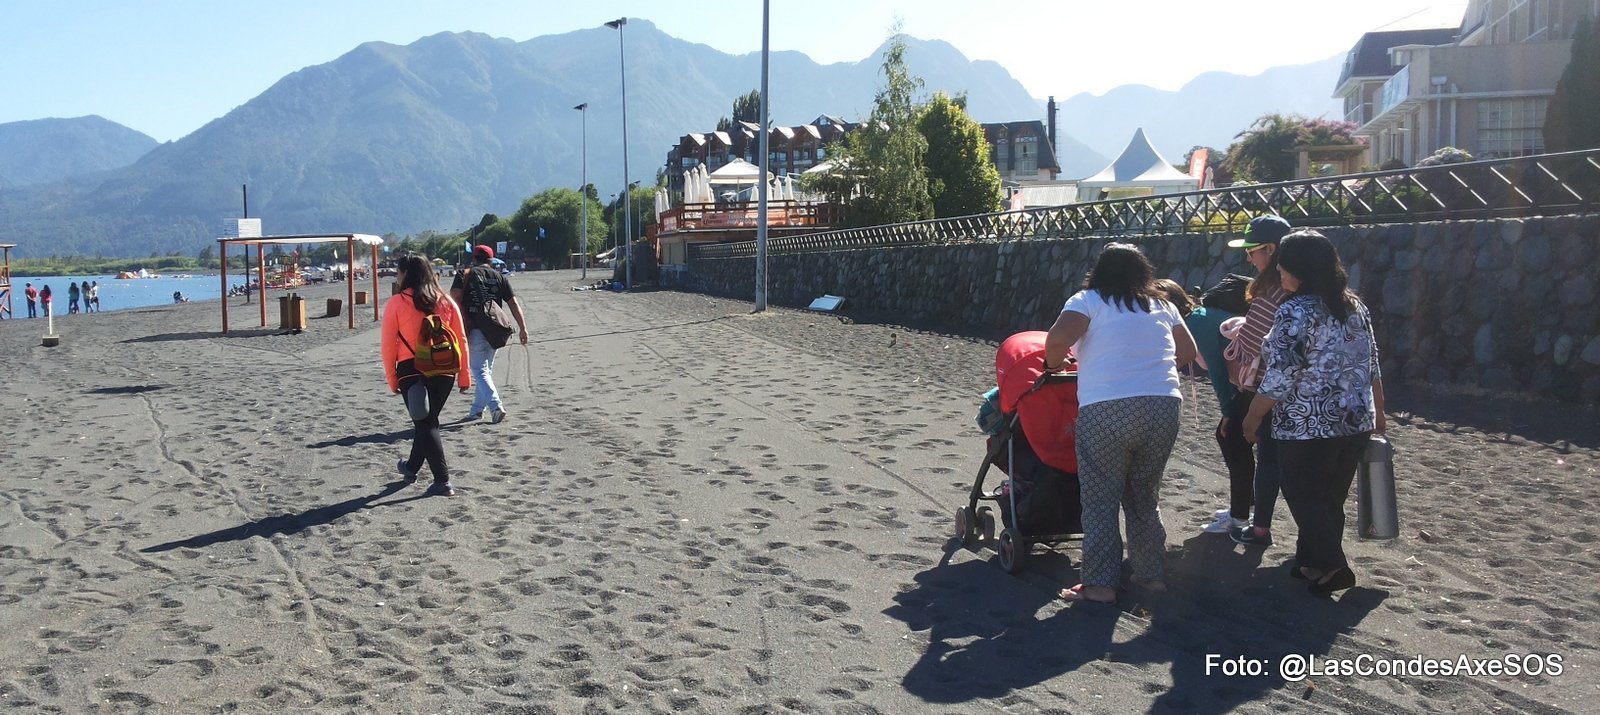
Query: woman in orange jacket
x=419, y=296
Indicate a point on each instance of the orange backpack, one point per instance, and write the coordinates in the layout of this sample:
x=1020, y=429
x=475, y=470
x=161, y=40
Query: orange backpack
x=438, y=350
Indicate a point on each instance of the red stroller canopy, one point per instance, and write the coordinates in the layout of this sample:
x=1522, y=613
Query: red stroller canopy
x=1050, y=415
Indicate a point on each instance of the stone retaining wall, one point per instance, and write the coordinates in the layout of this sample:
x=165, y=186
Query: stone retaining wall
x=1503, y=305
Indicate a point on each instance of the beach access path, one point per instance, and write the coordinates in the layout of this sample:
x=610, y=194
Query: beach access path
x=693, y=508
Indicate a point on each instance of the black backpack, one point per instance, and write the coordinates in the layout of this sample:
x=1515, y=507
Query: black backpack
x=1228, y=294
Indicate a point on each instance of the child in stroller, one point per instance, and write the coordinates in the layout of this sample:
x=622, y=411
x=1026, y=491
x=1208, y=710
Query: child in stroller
x=1034, y=444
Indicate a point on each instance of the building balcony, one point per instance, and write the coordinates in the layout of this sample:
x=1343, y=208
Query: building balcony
x=1474, y=72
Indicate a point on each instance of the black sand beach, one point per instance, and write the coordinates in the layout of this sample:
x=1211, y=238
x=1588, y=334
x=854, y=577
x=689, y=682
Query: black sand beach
x=696, y=509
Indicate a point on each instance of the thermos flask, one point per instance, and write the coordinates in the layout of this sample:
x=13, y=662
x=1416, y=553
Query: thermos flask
x=1377, y=517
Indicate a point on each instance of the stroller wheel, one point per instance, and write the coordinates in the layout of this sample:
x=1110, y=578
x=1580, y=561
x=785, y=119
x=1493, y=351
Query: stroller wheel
x=1013, y=550
x=986, y=523
x=966, y=525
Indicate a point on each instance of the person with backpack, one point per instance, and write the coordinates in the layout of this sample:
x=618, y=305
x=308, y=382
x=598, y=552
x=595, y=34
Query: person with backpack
x=484, y=296
x=423, y=353
x=1248, y=487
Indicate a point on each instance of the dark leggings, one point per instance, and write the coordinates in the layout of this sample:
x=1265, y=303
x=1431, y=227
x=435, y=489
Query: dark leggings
x=1239, y=456
x=424, y=398
x=1316, y=482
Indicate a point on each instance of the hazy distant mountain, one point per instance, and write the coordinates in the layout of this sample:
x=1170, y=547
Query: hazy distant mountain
x=1209, y=111
x=45, y=150
x=434, y=134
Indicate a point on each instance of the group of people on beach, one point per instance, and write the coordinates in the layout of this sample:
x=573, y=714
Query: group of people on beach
x=463, y=312
x=87, y=294
x=1302, y=395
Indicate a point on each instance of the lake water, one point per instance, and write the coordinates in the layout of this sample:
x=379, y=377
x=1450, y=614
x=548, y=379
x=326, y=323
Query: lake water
x=118, y=294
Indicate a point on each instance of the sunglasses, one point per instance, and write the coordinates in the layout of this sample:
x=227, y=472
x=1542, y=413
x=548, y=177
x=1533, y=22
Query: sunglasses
x=1253, y=249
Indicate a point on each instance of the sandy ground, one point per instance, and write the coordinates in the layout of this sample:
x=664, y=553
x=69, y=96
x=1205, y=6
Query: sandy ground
x=696, y=509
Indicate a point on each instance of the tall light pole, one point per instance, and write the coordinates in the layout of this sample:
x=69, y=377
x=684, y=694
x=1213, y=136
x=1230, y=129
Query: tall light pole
x=761, y=201
x=617, y=25
x=583, y=190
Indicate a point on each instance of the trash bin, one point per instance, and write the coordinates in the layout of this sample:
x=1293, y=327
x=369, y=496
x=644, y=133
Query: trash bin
x=361, y=297
x=292, y=312
x=335, y=306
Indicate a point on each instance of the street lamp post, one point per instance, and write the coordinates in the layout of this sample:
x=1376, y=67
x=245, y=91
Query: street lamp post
x=617, y=25
x=583, y=190
x=761, y=208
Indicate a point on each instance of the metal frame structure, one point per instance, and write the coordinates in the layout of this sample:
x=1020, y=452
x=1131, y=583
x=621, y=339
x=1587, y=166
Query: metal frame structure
x=350, y=240
x=7, y=310
x=1541, y=185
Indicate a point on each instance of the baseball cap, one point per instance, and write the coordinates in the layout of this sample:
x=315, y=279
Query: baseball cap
x=1261, y=231
x=488, y=251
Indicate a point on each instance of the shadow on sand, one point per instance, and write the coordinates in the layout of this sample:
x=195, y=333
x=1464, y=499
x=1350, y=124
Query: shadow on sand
x=990, y=634
x=291, y=523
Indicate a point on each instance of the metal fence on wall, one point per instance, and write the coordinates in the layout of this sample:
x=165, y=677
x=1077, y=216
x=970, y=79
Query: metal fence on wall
x=1542, y=185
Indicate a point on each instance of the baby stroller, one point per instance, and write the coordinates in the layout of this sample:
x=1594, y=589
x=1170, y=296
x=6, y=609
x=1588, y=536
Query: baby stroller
x=1034, y=444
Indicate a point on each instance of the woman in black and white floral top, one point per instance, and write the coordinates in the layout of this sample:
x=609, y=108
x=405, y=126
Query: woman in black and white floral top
x=1324, y=391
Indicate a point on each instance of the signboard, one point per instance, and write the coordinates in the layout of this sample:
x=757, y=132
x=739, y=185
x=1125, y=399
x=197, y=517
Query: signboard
x=500, y=248
x=242, y=228
x=1197, y=166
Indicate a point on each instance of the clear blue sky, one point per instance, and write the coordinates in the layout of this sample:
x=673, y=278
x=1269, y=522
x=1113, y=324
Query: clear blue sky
x=166, y=67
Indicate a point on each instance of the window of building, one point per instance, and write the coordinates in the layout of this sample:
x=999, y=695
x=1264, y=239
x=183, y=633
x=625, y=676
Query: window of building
x=1027, y=158
x=822, y=153
x=1511, y=127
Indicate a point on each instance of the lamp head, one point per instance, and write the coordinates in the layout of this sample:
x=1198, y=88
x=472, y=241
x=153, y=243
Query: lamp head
x=617, y=23
x=582, y=107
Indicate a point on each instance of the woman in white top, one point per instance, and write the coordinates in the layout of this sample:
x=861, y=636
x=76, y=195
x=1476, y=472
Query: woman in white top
x=1129, y=343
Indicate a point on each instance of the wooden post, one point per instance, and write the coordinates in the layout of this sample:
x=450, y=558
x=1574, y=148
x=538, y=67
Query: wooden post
x=374, y=283
x=225, y=286
x=350, y=276
x=261, y=269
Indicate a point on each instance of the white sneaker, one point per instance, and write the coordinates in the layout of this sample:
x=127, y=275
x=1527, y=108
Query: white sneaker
x=1225, y=524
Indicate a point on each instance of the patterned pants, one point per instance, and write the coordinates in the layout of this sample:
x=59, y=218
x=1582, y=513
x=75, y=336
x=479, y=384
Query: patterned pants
x=1123, y=447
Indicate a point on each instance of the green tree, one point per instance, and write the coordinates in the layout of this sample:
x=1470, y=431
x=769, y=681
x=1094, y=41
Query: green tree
x=1571, y=119
x=880, y=169
x=1265, y=151
x=962, y=179
x=746, y=108
x=559, y=212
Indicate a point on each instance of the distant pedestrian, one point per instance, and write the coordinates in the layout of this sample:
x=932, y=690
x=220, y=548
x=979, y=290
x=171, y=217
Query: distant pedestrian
x=94, y=295
x=72, y=297
x=403, y=318
x=83, y=292
x=33, y=298
x=44, y=299
x=473, y=289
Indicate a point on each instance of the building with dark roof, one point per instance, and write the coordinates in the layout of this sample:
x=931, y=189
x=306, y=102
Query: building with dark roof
x=1482, y=87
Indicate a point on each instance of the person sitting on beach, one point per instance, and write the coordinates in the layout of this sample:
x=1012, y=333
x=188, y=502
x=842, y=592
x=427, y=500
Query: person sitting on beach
x=1324, y=391
x=1130, y=342
x=179, y=297
x=420, y=296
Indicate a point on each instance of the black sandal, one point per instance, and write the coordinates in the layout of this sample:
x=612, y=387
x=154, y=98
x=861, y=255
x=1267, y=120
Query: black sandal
x=1337, y=581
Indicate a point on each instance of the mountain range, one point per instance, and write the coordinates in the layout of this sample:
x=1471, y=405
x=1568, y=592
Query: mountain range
x=431, y=135
x=44, y=150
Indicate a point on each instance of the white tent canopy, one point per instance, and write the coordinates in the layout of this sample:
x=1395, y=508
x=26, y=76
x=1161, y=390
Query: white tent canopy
x=1138, y=166
x=737, y=172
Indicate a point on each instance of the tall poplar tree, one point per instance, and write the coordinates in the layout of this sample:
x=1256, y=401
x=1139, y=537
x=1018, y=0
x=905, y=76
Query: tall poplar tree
x=962, y=180
x=1572, y=120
